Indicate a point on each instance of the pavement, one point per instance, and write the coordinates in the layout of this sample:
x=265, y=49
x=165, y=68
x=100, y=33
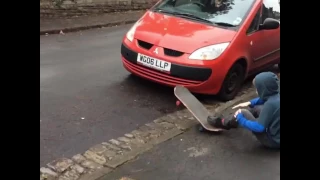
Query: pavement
x=86, y=95
x=170, y=147
x=230, y=155
x=112, y=158
x=233, y=155
x=55, y=25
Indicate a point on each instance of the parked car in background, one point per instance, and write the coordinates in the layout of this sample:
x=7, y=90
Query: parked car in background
x=208, y=46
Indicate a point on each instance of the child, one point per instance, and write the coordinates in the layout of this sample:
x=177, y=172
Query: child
x=263, y=116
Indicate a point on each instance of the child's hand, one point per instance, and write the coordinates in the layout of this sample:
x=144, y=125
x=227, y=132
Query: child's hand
x=245, y=104
x=237, y=112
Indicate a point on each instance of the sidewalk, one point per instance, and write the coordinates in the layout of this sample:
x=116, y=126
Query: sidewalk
x=54, y=26
x=232, y=155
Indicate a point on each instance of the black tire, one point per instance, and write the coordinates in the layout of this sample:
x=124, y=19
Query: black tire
x=232, y=82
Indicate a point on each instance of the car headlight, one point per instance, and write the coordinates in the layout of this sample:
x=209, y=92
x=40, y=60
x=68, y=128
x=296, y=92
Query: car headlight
x=209, y=52
x=130, y=33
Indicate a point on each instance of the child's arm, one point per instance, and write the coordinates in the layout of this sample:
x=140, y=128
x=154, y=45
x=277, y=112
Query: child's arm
x=256, y=101
x=249, y=124
x=258, y=125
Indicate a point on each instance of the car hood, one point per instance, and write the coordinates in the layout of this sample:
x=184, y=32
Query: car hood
x=178, y=33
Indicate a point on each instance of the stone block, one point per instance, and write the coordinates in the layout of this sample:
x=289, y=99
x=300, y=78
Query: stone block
x=95, y=157
x=78, y=158
x=91, y=165
x=60, y=165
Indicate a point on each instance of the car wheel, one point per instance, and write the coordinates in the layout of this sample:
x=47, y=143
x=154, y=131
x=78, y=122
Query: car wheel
x=232, y=82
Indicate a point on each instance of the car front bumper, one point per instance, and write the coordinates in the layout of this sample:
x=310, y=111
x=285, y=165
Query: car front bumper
x=196, y=79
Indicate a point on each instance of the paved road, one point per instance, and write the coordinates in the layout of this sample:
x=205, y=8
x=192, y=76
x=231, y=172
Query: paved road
x=86, y=96
x=231, y=155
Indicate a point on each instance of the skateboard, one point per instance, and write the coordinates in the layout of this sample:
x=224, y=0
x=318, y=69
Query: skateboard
x=197, y=109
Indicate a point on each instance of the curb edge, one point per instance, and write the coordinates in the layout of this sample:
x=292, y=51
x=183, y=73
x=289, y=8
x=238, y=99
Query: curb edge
x=80, y=28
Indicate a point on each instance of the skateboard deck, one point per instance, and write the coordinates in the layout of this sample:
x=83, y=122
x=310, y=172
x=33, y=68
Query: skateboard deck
x=197, y=109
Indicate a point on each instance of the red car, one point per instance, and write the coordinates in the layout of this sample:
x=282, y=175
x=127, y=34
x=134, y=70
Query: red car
x=208, y=46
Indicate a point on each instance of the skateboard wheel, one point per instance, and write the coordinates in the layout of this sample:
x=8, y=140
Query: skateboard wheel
x=201, y=128
x=178, y=103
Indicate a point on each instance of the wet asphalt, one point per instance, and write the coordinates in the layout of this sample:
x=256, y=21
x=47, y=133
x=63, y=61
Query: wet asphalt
x=87, y=97
x=230, y=155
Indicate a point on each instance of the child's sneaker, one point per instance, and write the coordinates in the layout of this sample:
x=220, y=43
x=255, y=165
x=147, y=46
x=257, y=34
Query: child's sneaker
x=231, y=122
x=219, y=122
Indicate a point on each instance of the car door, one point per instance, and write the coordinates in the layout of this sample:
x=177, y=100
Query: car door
x=264, y=44
x=256, y=42
x=271, y=9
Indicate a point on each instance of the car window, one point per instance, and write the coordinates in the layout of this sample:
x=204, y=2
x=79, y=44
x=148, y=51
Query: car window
x=254, y=26
x=223, y=12
x=270, y=9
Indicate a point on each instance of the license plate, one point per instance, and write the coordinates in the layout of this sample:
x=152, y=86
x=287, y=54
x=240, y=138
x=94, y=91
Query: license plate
x=154, y=63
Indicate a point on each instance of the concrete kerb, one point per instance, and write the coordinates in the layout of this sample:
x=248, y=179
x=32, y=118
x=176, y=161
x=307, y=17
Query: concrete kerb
x=81, y=28
x=105, y=157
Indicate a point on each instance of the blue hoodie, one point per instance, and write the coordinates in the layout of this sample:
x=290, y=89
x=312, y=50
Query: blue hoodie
x=268, y=88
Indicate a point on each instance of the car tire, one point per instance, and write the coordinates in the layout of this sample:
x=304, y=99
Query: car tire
x=232, y=82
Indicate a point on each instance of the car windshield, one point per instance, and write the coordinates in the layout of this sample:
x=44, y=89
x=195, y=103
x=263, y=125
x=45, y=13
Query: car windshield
x=220, y=12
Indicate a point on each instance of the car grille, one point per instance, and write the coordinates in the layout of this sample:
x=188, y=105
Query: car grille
x=171, y=52
x=168, y=52
x=145, y=45
x=158, y=76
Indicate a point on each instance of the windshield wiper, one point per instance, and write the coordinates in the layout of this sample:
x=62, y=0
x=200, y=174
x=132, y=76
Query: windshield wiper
x=224, y=24
x=183, y=15
x=164, y=11
x=192, y=16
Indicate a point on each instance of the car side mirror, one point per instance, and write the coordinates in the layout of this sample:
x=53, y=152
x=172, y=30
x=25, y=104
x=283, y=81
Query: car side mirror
x=269, y=24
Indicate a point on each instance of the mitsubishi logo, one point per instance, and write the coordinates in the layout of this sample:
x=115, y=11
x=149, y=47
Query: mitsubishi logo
x=156, y=51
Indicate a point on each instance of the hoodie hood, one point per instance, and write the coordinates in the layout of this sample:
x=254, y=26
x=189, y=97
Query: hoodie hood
x=267, y=84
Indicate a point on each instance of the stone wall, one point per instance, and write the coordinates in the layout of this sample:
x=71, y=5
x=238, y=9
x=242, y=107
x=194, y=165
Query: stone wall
x=67, y=8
